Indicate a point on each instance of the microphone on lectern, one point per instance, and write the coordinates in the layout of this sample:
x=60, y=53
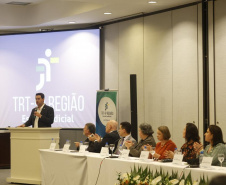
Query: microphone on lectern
x=35, y=111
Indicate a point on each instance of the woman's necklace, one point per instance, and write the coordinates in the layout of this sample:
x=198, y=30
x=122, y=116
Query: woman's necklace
x=163, y=143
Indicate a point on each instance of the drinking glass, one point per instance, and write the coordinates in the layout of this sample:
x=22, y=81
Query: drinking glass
x=152, y=151
x=112, y=146
x=221, y=158
x=120, y=148
x=179, y=151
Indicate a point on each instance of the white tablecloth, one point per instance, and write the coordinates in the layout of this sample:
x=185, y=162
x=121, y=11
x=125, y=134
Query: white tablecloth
x=73, y=169
x=61, y=168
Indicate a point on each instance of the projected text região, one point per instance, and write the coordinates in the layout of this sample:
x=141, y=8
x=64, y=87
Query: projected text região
x=69, y=104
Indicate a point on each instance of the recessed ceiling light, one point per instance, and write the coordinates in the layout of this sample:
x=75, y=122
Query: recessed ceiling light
x=18, y=3
x=71, y=22
x=152, y=2
x=107, y=13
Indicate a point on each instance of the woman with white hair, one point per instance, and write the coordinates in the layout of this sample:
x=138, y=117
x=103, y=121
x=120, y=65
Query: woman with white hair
x=145, y=133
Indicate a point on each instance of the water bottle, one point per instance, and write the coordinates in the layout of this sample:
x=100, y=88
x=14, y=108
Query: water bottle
x=53, y=140
x=201, y=156
x=106, y=145
x=68, y=142
x=175, y=151
x=81, y=143
x=53, y=144
x=145, y=148
x=120, y=149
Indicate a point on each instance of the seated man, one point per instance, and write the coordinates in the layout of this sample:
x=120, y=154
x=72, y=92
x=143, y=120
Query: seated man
x=111, y=136
x=124, y=132
x=89, y=130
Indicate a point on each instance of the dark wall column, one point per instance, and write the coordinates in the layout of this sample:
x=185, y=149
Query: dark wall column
x=205, y=66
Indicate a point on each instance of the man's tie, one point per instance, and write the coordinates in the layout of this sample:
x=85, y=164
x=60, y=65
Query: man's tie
x=122, y=141
x=120, y=145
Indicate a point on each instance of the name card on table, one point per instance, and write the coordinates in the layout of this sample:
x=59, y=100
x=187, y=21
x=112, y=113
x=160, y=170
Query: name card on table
x=82, y=149
x=125, y=154
x=66, y=148
x=144, y=155
x=52, y=146
x=177, y=159
x=206, y=162
x=104, y=151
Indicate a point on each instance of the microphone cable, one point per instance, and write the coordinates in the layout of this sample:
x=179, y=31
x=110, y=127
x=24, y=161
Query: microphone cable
x=99, y=170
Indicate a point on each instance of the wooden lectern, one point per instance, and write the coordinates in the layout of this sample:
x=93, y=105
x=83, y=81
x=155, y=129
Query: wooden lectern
x=25, y=157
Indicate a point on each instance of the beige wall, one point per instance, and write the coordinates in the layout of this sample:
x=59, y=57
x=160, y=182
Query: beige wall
x=219, y=57
x=158, y=70
x=164, y=51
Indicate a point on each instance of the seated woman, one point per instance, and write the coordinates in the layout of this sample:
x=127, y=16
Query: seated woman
x=213, y=136
x=145, y=133
x=191, y=135
x=165, y=144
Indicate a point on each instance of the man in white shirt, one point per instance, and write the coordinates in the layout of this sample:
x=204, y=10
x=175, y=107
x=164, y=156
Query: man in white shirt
x=42, y=115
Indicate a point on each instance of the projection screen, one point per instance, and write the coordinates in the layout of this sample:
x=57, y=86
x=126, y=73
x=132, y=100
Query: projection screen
x=63, y=65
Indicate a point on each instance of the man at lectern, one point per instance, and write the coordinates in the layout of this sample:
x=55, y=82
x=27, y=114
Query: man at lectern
x=42, y=115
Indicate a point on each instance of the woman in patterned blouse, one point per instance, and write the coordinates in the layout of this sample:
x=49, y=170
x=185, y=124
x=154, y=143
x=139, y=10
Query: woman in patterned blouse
x=191, y=135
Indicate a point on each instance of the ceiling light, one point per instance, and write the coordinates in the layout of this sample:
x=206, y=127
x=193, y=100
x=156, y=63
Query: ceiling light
x=71, y=22
x=107, y=13
x=18, y=3
x=152, y=2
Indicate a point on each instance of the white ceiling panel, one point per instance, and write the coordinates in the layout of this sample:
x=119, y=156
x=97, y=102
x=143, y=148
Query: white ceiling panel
x=58, y=13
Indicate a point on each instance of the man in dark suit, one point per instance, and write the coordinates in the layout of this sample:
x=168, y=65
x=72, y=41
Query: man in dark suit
x=89, y=131
x=111, y=136
x=42, y=115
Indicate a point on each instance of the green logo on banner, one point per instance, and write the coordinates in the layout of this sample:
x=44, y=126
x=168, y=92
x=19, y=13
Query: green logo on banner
x=106, y=110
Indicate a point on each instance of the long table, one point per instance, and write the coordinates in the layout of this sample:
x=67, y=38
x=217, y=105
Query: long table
x=92, y=169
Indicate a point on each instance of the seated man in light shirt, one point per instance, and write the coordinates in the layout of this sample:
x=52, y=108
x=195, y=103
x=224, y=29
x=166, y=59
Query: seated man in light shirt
x=124, y=132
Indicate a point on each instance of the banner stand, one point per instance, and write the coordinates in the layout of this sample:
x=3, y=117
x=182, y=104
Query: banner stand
x=106, y=109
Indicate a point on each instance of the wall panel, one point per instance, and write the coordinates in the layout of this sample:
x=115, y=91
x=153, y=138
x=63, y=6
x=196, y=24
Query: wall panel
x=158, y=70
x=211, y=65
x=185, y=70
x=130, y=62
x=111, y=56
x=220, y=63
x=164, y=51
